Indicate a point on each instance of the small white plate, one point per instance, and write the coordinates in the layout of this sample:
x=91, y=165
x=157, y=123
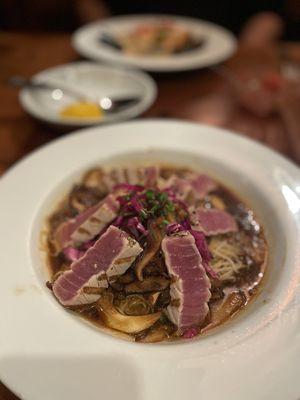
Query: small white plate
x=219, y=43
x=47, y=354
x=96, y=81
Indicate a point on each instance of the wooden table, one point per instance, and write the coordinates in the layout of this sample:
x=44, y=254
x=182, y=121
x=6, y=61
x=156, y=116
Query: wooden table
x=26, y=54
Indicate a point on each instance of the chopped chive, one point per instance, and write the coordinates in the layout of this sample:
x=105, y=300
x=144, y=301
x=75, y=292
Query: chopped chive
x=164, y=223
x=170, y=207
x=154, y=209
x=162, y=197
x=150, y=194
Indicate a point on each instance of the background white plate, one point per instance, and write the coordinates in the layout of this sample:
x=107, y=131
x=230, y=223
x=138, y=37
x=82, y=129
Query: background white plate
x=96, y=81
x=219, y=45
x=47, y=354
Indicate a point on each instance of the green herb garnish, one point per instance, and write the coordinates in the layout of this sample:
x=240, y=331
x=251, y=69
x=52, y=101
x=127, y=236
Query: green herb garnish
x=162, y=197
x=170, y=207
x=150, y=194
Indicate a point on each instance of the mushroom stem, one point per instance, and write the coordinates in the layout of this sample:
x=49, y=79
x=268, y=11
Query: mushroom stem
x=153, y=245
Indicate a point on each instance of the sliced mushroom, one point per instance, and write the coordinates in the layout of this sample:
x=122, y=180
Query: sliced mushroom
x=149, y=284
x=86, y=309
x=228, y=307
x=83, y=197
x=156, y=267
x=153, y=297
x=126, y=278
x=116, y=285
x=154, y=239
x=134, y=304
x=94, y=178
x=124, y=323
x=158, y=333
x=62, y=214
x=164, y=300
x=216, y=290
x=166, y=172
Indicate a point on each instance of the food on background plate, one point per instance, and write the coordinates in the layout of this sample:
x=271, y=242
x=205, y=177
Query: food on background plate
x=158, y=38
x=155, y=253
x=82, y=110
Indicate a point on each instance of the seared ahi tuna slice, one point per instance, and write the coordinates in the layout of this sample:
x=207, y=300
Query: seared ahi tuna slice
x=114, y=177
x=190, y=289
x=134, y=176
x=112, y=254
x=193, y=184
x=86, y=225
x=151, y=175
x=141, y=176
x=202, y=185
x=181, y=187
x=212, y=221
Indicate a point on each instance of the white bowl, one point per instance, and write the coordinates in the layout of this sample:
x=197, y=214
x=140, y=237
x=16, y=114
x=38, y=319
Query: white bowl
x=46, y=353
x=94, y=80
x=219, y=43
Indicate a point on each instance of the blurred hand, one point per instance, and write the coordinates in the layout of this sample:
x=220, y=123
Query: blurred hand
x=257, y=99
x=257, y=94
x=261, y=30
x=279, y=129
x=256, y=66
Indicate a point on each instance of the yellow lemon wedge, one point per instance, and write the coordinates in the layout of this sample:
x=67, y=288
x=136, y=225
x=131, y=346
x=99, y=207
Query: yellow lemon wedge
x=82, y=110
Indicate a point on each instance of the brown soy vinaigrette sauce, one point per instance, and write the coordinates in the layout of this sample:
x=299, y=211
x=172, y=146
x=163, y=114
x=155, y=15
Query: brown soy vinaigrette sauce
x=233, y=205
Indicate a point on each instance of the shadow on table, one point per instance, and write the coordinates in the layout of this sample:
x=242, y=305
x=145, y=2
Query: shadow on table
x=71, y=377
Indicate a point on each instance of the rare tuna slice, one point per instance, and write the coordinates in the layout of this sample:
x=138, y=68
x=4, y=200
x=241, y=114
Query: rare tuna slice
x=87, y=225
x=111, y=255
x=212, y=221
x=202, y=185
x=190, y=291
x=146, y=176
x=196, y=186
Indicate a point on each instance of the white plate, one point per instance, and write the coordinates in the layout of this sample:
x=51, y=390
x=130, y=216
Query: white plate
x=219, y=45
x=94, y=80
x=47, y=354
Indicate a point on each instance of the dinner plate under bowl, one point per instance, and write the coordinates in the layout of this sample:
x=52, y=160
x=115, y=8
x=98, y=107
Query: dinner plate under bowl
x=46, y=353
x=219, y=43
x=93, y=80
